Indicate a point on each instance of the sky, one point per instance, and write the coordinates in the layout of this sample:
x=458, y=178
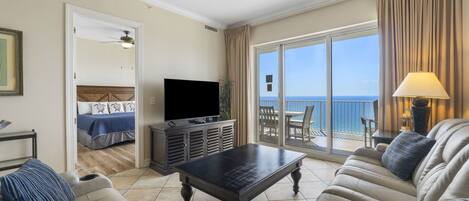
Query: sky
x=355, y=69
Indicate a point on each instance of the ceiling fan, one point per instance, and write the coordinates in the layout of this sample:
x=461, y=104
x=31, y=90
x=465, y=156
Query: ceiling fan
x=125, y=41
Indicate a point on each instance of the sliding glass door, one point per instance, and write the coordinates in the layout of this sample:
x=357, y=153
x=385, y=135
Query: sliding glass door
x=268, y=100
x=355, y=72
x=315, y=93
x=305, y=94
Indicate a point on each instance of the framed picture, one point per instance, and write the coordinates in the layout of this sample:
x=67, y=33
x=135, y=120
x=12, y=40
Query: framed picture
x=11, y=62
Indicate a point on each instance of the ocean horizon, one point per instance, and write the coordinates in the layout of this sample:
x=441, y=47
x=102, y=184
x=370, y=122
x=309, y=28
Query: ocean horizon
x=346, y=110
x=371, y=98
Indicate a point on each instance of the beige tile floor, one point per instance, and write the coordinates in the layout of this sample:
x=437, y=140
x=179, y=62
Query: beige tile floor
x=148, y=185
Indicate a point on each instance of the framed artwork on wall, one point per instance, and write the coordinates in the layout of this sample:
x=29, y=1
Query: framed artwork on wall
x=11, y=62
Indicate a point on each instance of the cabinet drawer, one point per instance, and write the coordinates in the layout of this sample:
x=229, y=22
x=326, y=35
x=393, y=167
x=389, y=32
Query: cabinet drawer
x=213, y=140
x=196, y=144
x=176, y=148
x=227, y=137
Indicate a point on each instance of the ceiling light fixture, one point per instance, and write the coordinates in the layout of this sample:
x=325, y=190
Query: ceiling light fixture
x=127, y=45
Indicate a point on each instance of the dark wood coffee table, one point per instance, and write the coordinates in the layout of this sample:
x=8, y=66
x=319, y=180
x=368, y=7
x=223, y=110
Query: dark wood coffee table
x=241, y=173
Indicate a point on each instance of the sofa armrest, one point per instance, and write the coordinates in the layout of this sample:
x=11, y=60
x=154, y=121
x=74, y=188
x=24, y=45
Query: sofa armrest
x=87, y=184
x=369, y=153
x=70, y=177
x=381, y=147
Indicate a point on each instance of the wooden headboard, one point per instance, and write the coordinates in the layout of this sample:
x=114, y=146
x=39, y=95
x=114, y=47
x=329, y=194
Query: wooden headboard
x=88, y=93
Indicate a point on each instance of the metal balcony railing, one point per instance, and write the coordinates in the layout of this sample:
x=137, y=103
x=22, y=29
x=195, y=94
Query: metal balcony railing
x=346, y=115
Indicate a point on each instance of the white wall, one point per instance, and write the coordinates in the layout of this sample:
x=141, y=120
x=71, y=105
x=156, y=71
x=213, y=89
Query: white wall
x=174, y=46
x=338, y=15
x=104, y=64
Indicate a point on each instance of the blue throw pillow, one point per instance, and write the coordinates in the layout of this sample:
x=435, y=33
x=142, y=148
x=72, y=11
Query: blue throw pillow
x=405, y=152
x=35, y=181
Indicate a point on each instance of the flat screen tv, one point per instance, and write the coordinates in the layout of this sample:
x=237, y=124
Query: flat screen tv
x=189, y=99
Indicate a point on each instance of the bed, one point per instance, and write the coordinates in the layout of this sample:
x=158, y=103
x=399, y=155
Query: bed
x=103, y=130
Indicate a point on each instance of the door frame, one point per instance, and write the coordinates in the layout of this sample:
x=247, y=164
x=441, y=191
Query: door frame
x=325, y=36
x=71, y=11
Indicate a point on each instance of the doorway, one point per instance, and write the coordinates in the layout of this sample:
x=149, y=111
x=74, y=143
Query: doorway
x=96, y=97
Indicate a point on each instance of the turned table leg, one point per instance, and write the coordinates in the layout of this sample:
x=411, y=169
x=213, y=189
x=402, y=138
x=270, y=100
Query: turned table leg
x=296, y=176
x=186, y=192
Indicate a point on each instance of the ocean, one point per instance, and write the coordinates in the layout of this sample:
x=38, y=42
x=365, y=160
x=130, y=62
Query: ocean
x=346, y=111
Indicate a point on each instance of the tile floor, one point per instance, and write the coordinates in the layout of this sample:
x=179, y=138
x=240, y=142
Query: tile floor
x=148, y=185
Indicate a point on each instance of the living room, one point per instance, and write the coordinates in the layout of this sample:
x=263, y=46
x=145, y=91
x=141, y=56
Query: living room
x=325, y=78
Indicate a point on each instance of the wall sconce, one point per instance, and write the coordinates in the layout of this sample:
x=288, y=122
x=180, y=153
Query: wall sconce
x=268, y=80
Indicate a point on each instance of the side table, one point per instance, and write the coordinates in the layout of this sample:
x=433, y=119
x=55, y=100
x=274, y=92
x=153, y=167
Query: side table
x=386, y=137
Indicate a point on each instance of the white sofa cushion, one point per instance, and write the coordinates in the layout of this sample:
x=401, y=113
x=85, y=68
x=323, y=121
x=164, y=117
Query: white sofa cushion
x=342, y=193
x=441, y=132
x=370, y=189
x=380, y=177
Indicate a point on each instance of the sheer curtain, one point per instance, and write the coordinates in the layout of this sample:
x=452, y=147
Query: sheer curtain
x=237, y=42
x=420, y=35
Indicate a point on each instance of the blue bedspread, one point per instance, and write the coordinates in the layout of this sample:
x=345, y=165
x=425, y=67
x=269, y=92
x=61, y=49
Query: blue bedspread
x=97, y=125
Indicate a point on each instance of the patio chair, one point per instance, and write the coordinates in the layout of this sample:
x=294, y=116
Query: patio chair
x=303, y=126
x=371, y=125
x=268, y=119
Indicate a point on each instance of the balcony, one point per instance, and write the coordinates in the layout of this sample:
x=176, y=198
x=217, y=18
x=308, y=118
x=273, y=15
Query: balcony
x=347, y=129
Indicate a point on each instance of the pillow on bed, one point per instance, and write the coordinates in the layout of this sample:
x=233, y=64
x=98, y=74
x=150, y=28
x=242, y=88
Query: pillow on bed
x=129, y=106
x=99, y=108
x=116, y=107
x=84, y=107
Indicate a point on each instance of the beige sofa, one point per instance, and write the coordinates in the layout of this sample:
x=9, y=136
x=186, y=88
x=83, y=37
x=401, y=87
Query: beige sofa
x=442, y=175
x=97, y=187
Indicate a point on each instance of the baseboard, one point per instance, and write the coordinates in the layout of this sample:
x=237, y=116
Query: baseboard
x=146, y=162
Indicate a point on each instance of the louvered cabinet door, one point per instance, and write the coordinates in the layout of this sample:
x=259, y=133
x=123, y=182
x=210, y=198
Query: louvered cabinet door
x=176, y=148
x=195, y=144
x=213, y=140
x=227, y=137
x=173, y=146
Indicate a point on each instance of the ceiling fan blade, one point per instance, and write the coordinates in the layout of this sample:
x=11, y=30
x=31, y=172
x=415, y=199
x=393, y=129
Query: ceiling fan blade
x=117, y=41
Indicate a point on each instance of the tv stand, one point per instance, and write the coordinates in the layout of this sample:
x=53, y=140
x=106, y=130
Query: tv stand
x=197, y=121
x=171, y=124
x=171, y=146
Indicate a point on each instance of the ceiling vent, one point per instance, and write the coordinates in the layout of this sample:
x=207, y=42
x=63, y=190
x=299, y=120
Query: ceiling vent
x=211, y=28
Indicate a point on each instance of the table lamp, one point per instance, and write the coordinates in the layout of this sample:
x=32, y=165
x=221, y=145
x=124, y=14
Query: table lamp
x=421, y=86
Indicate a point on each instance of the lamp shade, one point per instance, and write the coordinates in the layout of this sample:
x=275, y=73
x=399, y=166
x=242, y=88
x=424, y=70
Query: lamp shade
x=421, y=84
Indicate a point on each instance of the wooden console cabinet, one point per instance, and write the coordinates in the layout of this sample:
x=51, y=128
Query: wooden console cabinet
x=171, y=146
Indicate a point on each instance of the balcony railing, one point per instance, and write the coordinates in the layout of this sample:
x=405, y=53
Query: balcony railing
x=346, y=115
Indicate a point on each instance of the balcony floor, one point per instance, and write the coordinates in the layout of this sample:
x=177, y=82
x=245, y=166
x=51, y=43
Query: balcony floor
x=320, y=143
x=340, y=145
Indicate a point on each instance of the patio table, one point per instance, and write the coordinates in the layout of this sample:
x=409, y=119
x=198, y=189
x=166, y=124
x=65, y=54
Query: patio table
x=288, y=116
